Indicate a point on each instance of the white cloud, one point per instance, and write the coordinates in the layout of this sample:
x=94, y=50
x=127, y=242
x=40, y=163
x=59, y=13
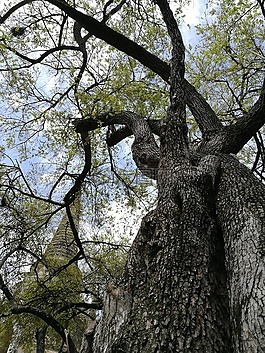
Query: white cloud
x=2, y=4
x=193, y=11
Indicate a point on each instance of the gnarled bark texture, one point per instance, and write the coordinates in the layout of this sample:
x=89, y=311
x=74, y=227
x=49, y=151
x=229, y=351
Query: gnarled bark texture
x=194, y=279
x=241, y=213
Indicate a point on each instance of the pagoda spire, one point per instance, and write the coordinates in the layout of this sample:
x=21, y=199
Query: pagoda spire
x=61, y=249
x=63, y=245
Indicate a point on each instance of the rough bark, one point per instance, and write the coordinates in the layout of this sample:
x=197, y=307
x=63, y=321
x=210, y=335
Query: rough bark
x=194, y=279
x=174, y=296
x=87, y=342
x=241, y=213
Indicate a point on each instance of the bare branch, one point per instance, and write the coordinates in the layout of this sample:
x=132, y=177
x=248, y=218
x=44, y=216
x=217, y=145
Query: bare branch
x=13, y=9
x=30, y=195
x=41, y=57
x=178, y=52
x=48, y=319
x=207, y=119
x=82, y=46
x=6, y=257
x=124, y=44
x=107, y=15
x=174, y=138
x=71, y=194
x=9, y=296
x=262, y=7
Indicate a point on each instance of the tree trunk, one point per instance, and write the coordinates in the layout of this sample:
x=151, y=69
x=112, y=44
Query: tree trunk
x=40, y=338
x=193, y=280
x=241, y=212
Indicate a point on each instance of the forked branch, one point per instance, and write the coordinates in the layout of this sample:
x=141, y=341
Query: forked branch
x=144, y=148
x=206, y=117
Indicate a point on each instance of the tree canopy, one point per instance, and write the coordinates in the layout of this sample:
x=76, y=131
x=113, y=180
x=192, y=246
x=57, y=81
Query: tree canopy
x=90, y=93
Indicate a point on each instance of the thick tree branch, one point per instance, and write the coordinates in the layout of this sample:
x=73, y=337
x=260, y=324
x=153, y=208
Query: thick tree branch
x=110, y=118
x=50, y=320
x=75, y=233
x=246, y=127
x=262, y=7
x=144, y=148
x=118, y=135
x=146, y=58
x=107, y=15
x=232, y=138
x=71, y=194
x=178, y=51
x=82, y=45
x=174, y=141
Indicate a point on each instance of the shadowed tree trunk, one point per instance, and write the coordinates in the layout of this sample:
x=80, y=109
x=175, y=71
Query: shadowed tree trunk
x=240, y=209
x=194, y=280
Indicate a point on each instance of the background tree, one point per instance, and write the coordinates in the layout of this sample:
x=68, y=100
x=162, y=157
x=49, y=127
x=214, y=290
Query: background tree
x=194, y=276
